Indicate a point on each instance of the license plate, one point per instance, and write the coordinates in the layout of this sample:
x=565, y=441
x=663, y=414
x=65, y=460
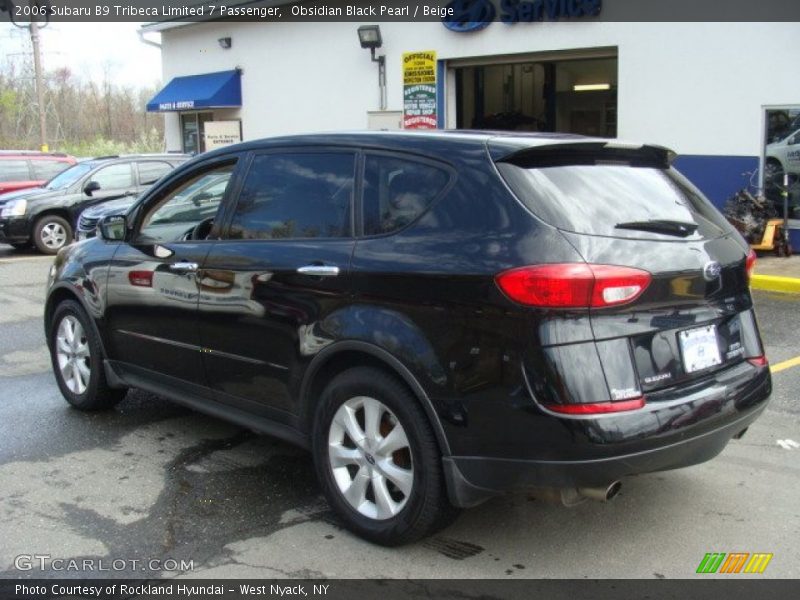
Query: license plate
x=81, y=236
x=699, y=348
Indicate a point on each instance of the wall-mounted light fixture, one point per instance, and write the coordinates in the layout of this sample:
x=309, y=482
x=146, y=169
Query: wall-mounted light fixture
x=591, y=87
x=225, y=43
x=369, y=36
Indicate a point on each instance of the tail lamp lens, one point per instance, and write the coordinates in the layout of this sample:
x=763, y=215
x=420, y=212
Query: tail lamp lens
x=750, y=263
x=573, y=285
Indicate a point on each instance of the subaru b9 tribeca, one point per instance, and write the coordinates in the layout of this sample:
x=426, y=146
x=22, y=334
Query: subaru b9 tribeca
x=438, y=317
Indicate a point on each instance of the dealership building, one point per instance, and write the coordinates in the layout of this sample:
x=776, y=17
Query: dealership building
x=703, y=89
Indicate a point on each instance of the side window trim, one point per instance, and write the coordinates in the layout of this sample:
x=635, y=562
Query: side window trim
x=174, y=180
x=245, y=166
x=410, y=157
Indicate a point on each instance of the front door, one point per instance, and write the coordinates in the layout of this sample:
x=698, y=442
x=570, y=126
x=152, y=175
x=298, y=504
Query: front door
x=270, y=288
x=152, y=284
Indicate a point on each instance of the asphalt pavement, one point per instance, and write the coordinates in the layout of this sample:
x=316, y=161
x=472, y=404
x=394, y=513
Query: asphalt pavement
x=150, y=481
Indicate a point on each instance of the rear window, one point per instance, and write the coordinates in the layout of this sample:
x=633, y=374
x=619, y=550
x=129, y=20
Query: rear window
x=14, y=170
x=614, y=200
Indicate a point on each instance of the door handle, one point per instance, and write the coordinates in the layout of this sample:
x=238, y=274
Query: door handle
x=319, y=270
x=183, y=266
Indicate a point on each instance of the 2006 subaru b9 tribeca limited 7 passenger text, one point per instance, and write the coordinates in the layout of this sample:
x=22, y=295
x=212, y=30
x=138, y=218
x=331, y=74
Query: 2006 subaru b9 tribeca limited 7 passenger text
x=439, y=317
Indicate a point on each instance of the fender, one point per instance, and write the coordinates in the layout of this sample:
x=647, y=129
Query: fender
x=390, y=361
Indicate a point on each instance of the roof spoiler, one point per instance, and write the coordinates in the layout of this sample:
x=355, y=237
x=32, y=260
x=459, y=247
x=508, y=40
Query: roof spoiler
x=591, y=153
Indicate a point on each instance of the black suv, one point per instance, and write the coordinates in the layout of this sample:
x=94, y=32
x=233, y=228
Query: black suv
x=47, y=215
x=438, y=317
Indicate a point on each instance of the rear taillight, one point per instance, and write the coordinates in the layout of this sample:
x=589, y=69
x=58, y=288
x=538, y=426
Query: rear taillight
x=758, y=361
x=750, y=263
x=597, y=408
x=573, y=285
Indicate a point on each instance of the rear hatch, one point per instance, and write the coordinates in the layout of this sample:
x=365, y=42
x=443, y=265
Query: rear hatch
x=624, y=205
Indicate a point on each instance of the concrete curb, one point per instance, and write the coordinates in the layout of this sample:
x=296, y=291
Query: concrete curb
x=774, y=283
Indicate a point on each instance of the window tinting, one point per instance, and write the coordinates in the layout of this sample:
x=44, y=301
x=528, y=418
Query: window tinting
x=114, y=177
x=304, y=195
x=14, y=170
x=594, y=199
x=178, y=212
x=45, y=170
x=150, y=172
x=397, y=191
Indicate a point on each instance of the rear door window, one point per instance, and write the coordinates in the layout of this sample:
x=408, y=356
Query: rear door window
x=615, y=200
x=397, y=191
x=152, y=171
x=14, y=170
x=45, y=170
x=296, y=196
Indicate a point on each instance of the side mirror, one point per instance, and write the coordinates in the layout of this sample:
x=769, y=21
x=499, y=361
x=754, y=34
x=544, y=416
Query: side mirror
x=90, y=187
x=113, y=228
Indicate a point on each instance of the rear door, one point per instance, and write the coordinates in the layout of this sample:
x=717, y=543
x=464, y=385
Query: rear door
x=268, y=288
x=624, y=206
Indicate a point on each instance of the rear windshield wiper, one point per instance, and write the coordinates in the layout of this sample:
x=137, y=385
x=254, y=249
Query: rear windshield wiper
x=678, y=228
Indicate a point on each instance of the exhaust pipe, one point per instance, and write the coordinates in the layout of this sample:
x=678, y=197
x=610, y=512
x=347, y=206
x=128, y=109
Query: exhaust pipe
x=601, y=494
x=573, y=496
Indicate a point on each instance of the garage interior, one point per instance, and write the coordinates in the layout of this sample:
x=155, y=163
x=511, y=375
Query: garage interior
x=575, y=95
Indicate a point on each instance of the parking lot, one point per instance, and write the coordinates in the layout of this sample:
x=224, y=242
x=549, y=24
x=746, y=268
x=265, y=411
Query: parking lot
x=151, y=481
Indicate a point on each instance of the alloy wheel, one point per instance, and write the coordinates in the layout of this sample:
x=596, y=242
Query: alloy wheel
x=370, y=458
x=53, y=235
x=72, y=352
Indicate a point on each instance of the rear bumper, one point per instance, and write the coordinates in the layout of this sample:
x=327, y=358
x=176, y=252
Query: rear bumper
x=668, y=434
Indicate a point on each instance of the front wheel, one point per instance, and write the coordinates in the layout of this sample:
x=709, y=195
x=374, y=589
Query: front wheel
x=377, y=459
x=51, y=233
x=76, y=355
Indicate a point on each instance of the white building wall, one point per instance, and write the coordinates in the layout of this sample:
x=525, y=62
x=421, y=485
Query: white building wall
x=695, y=87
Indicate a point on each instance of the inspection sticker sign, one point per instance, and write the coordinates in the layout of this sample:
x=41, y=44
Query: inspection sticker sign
x=419, y=90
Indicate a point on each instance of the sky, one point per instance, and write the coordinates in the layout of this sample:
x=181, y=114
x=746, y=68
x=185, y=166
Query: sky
x=86, y=48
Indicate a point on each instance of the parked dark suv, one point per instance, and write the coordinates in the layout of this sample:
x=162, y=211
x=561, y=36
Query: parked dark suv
x=46, y=215
x=438, y=317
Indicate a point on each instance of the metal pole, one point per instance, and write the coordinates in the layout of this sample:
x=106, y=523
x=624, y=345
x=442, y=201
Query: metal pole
x=785, y=195
x=37, y=67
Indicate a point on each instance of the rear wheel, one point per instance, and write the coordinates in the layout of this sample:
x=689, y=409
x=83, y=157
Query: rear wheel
x=77, y=360
x=51, y=233
x=378, y=460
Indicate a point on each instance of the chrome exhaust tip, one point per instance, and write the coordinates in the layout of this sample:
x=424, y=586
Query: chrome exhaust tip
x=601, y=494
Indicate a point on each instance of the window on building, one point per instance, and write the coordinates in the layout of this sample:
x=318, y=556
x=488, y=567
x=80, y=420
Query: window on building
x=397, y=191
x=193, y=131
x=290, y=196
x=567, y=96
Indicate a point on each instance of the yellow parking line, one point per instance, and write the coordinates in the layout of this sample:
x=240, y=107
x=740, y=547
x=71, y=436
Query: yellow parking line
x=786, y=364
x=774, y=283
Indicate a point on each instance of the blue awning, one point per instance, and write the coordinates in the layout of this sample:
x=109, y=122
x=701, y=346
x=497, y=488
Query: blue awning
x=210, y=90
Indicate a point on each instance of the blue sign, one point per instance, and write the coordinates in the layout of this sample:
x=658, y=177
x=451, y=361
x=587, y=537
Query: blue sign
x=474, y=15
x=469, y=15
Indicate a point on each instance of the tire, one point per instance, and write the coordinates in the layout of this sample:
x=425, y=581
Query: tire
x=51, y=233
x=381, y=511
x=84, y=387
